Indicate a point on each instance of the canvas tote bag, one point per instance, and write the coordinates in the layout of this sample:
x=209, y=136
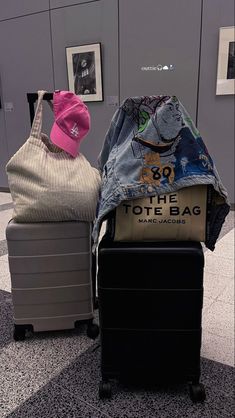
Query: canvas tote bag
x=179, y=216
x=47, y=184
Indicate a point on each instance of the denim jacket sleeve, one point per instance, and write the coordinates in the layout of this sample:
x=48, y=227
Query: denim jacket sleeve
x=111, y=138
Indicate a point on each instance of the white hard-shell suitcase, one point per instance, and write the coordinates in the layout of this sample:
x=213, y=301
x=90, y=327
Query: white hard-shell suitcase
x=52, y=276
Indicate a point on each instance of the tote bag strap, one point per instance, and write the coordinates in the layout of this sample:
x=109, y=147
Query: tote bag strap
x=36, y=129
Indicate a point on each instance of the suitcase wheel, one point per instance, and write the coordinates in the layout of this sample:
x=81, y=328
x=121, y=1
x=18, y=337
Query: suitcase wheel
x=197, y=392
x=96, y=303
x=92, y=330
x=105, y=390
x=19, y=333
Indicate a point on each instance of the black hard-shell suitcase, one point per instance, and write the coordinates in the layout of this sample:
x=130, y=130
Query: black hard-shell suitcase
x=150, y=307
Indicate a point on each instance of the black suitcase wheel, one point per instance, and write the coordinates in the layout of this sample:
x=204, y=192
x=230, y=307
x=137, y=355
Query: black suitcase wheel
x=96, y=303
x=92, y=330
x=197, y=392
x=19, y=333
x=105, y=390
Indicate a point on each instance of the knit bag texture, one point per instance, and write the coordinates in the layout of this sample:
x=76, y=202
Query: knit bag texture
x=47, y=184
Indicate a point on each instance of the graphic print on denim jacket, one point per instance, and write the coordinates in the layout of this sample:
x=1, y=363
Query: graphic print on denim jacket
x=151, y=148
x=173, y=151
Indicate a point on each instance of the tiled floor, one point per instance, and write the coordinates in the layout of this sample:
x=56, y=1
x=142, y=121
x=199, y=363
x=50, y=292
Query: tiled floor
x=56, y=374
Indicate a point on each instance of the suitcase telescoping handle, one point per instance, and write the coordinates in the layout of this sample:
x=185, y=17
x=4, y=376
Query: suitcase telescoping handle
x=32, y=98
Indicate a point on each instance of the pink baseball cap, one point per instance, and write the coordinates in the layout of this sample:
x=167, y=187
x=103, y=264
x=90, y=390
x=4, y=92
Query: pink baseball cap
x=72, y=121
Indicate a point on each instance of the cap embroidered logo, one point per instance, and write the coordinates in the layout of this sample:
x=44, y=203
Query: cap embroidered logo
x=74, y=131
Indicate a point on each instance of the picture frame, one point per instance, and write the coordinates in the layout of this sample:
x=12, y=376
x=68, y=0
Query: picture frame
x=226, y=61
x=84, y=69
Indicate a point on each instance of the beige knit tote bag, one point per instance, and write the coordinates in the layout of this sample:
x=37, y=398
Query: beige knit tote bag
x=47, y=184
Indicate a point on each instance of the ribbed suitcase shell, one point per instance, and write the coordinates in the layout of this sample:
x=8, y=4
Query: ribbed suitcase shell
x=50, y=267
x=150, y=306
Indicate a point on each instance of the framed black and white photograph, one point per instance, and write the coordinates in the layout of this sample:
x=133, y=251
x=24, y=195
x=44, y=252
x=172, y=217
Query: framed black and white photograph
x=226, y=61
x=85, y=72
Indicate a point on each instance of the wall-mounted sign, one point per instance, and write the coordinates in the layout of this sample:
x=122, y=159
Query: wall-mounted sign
x=158, y=67
x=112, y=100
x=8, y=107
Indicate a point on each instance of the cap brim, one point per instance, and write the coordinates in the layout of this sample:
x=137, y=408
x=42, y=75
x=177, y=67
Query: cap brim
x=63, y=141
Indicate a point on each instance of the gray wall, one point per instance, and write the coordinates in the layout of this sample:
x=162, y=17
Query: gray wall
x=160, y=32
x=133, y=34
x=216, y=113
x=16, y=8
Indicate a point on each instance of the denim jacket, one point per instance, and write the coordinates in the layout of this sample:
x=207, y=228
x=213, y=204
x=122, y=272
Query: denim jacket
x=153, y=147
